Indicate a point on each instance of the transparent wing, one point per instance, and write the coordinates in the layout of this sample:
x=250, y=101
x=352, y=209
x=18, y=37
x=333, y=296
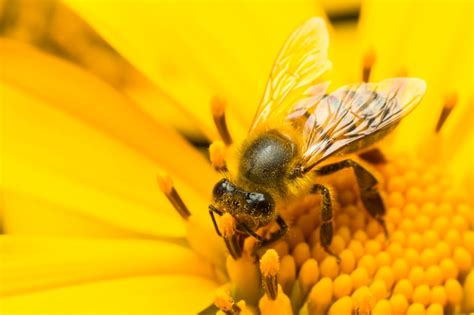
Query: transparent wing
x=355, y=115
x=293, y=85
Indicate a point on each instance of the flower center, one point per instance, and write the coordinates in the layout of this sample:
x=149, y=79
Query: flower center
x=421, y=265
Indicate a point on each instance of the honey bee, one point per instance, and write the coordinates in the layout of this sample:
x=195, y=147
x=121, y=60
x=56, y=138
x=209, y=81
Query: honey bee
x=297, y=127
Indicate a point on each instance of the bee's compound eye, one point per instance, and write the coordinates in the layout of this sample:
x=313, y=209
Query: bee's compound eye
x=223, y=186
x=260, y=202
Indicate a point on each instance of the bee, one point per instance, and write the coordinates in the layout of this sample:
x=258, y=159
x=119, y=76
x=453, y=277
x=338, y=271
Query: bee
x=297, y=127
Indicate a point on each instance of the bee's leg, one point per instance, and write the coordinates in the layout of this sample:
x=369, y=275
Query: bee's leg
x=368, y=192
x=275, y=236
x=213, y=210
x=244, y=228
x=326, y=230
x=218, y=113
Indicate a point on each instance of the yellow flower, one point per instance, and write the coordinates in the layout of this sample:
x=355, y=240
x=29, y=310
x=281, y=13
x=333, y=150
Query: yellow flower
x=86, y=228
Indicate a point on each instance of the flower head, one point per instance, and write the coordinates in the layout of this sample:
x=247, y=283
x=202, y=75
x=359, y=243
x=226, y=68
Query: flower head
x=86, y=229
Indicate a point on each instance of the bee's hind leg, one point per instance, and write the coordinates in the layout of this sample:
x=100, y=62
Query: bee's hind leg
x=367, y=184
x=326, y=230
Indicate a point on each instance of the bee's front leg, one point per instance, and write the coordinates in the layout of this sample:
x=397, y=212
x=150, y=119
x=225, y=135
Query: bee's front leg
x=367, y=184
x=213, y=210
x=275, y=236
x=326, y=230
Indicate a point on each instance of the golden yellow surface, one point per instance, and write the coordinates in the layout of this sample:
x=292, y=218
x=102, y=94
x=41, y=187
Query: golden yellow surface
x=98, y=97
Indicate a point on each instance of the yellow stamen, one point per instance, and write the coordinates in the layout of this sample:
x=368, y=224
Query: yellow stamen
x=280, y=306
x=348, y=261
x=287, y=273
x=399, y=304
x=462, y=258
x=416, y=309
x=342, y=306
x=320, y=296
x=385, y=274
x=438, y=295
x=329, y=267
x=338, y=244
x=468, y=301
x=282, y=248
x=232, y=239
x=363, y=301
x=421, y=294
x=368, y=263
x=404, y=287
x=382, y=307
x=166, y=185
x=382, y=259
x=217, y=156
x=245, y=278
x=417, y=276
x=226, y=225
x=269, y=267
x=360, y=277
x=434, y=309
x=428, y=257
x=453, y=291
x=433, y=275
x=345, y=233
x=449, y=269
x=367, y=64
x=301, y=253
x=411, y=256
x=309, y=275
x=225, y=302
x=449, y=104
x=342, y=286
x=400, y=269
x=218, y=113
x=378, y=289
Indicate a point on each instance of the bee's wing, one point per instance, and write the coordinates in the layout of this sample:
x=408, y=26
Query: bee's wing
x=342, y=120
x=293, y=84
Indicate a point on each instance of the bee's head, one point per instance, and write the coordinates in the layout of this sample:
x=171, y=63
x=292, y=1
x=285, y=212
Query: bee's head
x=255, y=209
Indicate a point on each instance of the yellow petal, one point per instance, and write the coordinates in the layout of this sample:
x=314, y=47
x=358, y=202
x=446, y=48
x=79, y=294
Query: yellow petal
x=163, y=294
x=195, y=50
x=430, y=40
x=51, y=156
x=30, y=264
x=30, y=215
x=82, y=95
x=345, y=54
